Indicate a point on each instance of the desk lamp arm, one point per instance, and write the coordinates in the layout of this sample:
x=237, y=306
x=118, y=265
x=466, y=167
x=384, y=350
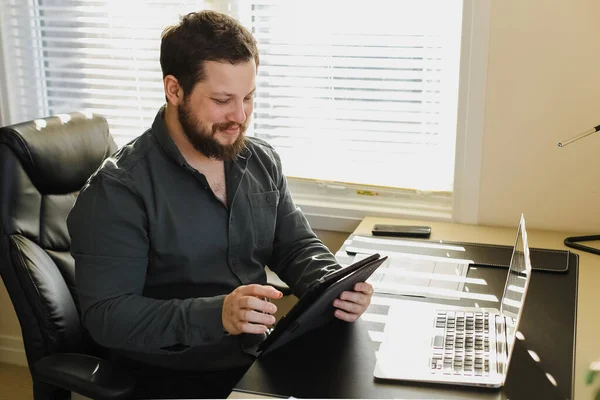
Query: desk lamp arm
x=580, y=136
x=572, y=241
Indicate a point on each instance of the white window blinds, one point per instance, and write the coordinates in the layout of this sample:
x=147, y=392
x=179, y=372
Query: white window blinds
x=101, y=56
x=362, y=92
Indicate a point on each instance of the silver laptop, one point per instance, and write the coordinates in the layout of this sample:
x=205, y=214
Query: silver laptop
x=428, y=342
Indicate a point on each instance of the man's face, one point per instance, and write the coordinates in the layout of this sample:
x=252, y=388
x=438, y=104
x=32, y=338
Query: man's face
x=215, y=115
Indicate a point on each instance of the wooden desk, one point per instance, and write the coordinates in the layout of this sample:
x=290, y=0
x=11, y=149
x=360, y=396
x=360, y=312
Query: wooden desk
x=588, y=343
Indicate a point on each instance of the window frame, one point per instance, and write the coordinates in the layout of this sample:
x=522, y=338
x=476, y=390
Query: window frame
x=335, y=206
x=471, y=110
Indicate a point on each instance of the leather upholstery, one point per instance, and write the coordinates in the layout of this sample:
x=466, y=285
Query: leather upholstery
x=60, y=153
x=43, y=165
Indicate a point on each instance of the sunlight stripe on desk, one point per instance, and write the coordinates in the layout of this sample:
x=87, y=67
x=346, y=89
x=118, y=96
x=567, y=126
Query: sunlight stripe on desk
x=385, y=301
x=429, y=291
x=388, y=301
x=369, y=317
x=361, y=250
x=376, y=336
x=433, y=276
x=406, y=243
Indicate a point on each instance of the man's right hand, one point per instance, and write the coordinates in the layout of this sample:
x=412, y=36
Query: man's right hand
x=245, y=311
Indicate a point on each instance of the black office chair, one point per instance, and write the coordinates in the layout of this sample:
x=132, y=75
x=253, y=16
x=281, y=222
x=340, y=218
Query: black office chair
x=43, y=165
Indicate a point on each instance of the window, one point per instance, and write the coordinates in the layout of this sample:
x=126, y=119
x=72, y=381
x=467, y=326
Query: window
x=361, y=100
x=370, y=98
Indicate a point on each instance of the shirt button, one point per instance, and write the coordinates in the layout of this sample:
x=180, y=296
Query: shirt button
x=268, y=199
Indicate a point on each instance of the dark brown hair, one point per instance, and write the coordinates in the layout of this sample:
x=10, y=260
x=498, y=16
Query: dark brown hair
x=203, y=36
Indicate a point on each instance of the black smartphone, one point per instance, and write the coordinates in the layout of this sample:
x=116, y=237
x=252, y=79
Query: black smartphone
x=401, y=231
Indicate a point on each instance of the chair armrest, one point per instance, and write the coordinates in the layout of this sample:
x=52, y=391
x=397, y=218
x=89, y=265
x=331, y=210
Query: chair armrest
x=84, y=374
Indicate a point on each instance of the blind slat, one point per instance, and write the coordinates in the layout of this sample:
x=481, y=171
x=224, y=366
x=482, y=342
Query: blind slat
x=76, y=53
x=352, y=115
x=91, y=82
x=340, y=93
x=123, y=63
x=125, y=74
x=376, y=83
x=118, y=43
x=345, y=72
x=333, y=62
x=306, y=105
x=345, y=127
x=431, y=53
x=112, y=93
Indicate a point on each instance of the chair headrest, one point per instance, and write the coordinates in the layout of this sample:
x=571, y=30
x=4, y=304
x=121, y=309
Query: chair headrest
x=61, y=152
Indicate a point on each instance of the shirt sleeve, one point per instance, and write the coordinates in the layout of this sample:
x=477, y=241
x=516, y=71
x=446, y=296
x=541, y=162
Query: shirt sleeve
x=299, y=257
x=108, y=226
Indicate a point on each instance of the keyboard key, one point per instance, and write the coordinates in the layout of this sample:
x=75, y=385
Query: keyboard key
x=438, y=342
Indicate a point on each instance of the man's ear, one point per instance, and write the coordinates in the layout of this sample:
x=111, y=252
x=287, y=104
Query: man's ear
x=173, y=92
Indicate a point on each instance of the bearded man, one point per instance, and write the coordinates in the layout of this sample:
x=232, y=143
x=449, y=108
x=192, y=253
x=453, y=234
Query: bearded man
x=172, y=234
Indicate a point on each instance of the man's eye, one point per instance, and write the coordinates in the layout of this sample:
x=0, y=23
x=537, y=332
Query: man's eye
x=221, y=101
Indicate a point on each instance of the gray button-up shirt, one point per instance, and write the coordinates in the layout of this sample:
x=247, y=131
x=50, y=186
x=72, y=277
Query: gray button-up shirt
x=156, y=252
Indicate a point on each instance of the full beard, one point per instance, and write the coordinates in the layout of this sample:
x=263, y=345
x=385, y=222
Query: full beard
x=204, y=141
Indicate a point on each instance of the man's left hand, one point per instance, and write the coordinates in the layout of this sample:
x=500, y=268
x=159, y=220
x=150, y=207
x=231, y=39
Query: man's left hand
x=351, y=305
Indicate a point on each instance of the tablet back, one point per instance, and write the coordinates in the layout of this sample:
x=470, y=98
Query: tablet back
x=315, y=308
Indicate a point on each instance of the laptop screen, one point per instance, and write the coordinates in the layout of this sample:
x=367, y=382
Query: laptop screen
x=517, y=281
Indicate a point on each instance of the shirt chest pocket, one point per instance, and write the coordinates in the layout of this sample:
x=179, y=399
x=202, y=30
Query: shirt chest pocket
x=264, y=216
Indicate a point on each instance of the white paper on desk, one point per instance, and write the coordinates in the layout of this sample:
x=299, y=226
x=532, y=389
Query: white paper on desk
x=417, y=275
x=379, y=243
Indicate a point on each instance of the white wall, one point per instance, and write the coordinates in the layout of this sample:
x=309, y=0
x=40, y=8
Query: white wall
x=543, y=87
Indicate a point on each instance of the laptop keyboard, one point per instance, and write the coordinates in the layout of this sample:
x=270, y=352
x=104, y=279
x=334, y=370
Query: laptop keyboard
x=462, y=347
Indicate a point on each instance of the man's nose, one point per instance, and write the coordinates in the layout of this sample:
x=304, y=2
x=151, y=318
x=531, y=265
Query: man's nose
x=238, y=114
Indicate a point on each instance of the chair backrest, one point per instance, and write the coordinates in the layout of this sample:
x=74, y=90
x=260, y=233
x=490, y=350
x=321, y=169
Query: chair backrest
x=43, y=165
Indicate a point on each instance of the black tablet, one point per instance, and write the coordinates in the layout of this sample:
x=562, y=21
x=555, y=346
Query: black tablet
x=315, y=307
